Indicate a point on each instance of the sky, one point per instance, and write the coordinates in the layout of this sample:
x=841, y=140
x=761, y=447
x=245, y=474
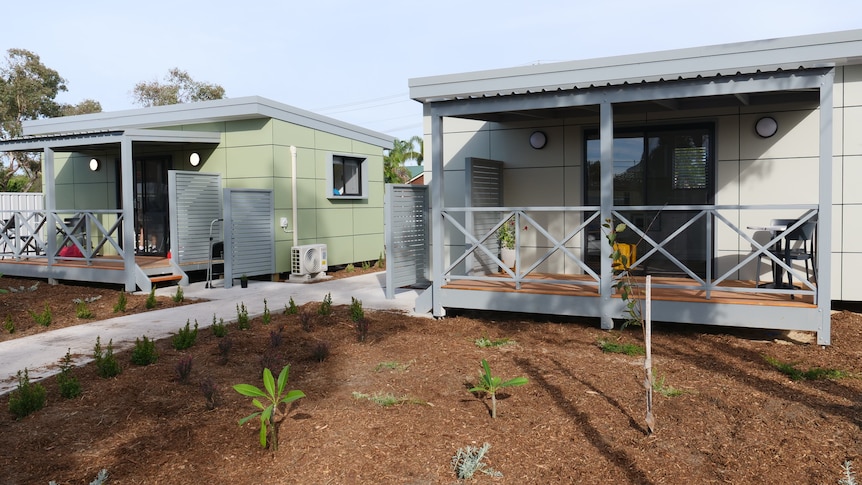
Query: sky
x=352, y=60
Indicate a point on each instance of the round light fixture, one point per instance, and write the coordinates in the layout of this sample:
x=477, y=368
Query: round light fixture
x=195, y=159
x=94, y=164
x=538, y=140
x=766, y=126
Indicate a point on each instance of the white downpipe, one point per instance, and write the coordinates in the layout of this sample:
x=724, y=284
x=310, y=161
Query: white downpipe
x=293, y=193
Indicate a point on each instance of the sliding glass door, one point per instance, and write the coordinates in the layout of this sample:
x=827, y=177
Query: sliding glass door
x=658, y=166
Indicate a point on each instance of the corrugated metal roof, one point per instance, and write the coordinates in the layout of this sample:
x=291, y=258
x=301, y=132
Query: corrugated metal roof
x=789, y=53
x=250, y=107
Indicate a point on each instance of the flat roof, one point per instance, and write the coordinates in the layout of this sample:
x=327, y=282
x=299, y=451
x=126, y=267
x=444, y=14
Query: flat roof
x=220, y=110
x=768, y=55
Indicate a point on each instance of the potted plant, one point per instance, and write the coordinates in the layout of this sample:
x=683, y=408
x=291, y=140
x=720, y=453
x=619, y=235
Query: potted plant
x=506, y=237
x=243, y=281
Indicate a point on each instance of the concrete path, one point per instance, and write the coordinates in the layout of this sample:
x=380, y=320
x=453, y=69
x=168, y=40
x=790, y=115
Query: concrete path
x=41, y=353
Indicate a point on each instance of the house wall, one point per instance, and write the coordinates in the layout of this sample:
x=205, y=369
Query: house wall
x=256, y=154
x=782, y=169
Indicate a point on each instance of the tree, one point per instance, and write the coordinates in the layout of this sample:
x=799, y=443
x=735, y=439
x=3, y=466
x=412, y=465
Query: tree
x=179, y=88
x=402, y=151
x=28, y=90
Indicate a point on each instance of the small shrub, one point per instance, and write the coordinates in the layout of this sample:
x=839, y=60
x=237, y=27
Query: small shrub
x=224, y=346
x=27, y=398
x=69, y=385
x=618, y=348
x=242, y=317
x=106, y=363
x=151, y=298
x=144, y=352
x=8, y=325
x=484, y=342
x=219, y=328
x=306, y=319
x=211, y=392
x=849, y=477
x=812, y=374
x=44, y=318
x=267, y=316
x=178, y=296
x=269, y=359
x=349, y=268
x=356, y=312
x=366, y=265
x=82, y=310
x=120, y=306
x=291, y=308
x=183, y=368
x=467, y=461
x=326, y=306
x=320, y=351
x=381, y=261
x=273, y=395
x=275, y=339
x=185, y=337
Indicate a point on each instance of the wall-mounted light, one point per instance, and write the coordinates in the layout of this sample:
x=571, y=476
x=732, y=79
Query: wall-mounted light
x=95, y=164
x=538, y=140
x=766, y=126
x=195, y=159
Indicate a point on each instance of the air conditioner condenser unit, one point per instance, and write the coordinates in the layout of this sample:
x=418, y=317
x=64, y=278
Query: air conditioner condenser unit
x=309, y=259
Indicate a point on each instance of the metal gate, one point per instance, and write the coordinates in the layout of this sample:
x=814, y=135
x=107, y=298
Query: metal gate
x=249, y=241
x=195, y=203
x=407, y=243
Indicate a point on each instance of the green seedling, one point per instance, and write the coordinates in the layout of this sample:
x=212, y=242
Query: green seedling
x=178, y=296
x=120, y=306
x=387, y=399
x=490, y=384
x=812, y=374
x=484, y=342
x=267, y=316
x=618, y=348
x=273, y=395
x=151, y=298
x=326, y=306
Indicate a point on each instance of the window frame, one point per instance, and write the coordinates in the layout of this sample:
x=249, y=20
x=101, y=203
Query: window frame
x=335, y=157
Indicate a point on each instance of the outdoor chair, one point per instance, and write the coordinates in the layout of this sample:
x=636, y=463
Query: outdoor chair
x=796, y=245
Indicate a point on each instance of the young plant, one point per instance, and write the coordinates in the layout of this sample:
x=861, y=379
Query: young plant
x=120, y=306
x=467, y=461
x=387, y=399
x=8, y=325
x=812, y=374
x=219, y=328
x=106, y=363
x=178, y=296
x=273, y=395
x=366, y=265
x=849, y=477
x=381, y=261
x=392, y=365
x=484, y=342
x=667, y=391
x=349, y=268
x=44, y=318
x=326, y=306
x=359, y=320
x=144, y=352
x=291, y=308
x=211, y=392
x=490, y=384
x=69, y=385
x=183, y=368
x=224, y=346
x=306, y=319
x=267, y=316
x=275, y=339
x=242, y=317
x=27, y=398
x=101, y=478
x=185, y=337
x=320, y=351
x=82, y=310
x=151, y=298
x=618, y=348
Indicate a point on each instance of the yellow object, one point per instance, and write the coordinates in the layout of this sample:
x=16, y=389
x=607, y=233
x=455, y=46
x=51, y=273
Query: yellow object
x=630, y=251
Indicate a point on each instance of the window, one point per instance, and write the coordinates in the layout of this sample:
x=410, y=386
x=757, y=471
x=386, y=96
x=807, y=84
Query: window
x=349, y=178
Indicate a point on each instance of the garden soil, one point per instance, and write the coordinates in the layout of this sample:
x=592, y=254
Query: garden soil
x=580, y=419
